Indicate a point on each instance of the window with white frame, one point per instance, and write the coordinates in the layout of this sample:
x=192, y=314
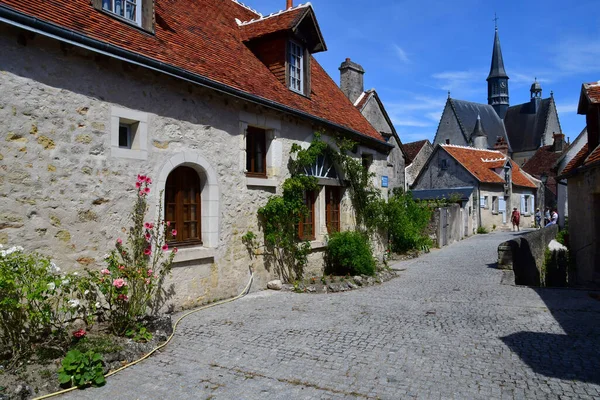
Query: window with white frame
x=296, y=67
x=483, y=202
x=495, y=204
x=128, y=9
x=125, y=136
x=129, y=133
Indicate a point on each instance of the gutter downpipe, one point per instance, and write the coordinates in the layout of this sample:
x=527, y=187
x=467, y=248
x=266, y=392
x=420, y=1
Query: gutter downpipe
x=32, y=24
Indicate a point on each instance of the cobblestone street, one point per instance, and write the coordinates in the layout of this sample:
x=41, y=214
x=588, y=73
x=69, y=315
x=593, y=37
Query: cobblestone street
x=444, y=328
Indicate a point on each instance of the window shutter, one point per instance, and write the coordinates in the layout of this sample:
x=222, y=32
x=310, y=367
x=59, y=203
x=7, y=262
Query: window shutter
x=501, y=205
x=482, y=202
x=97, y=4
x=147, y=15
x=522, y=203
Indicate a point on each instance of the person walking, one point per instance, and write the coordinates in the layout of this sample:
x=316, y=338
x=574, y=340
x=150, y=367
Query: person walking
x=538, y=218
x=515, y=218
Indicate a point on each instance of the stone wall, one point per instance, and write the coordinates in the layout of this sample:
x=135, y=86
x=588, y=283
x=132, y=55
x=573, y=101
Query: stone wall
x=525, y=255
x=447, y=225
x=67, y=189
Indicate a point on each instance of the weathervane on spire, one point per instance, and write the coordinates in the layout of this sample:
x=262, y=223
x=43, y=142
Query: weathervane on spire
x=495, y=21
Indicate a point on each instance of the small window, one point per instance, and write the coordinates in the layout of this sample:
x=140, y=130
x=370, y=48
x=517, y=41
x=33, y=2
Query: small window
x=182, y=206
x=306, y=227
x=483, y=202
x=128, y=9
x=256, y=152
x=333, y=195
x=447, y=141
x=367, y=160
x=495, y=204
x=125, y=139
x=296, y=67
x=444, y=164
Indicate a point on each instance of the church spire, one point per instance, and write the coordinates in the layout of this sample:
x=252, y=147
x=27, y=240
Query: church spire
x=498, y=79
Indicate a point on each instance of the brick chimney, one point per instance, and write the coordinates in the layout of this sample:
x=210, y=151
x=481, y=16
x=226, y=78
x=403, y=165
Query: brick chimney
x=289, y=4
x=351, y=79
x=501, y=145
x=559, y=142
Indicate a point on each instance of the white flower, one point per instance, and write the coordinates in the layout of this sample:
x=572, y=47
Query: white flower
x=73, y=303
x=11, y=250
x=66, y=281
x=86, y=292
x=104, y=257
x=51, y=286
x=97, y=304
x=75, y=273
x=53, y=268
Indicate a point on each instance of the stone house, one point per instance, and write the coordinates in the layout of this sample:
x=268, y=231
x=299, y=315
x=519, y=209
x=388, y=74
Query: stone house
x=499, y=184
x=372, y=108
x=205, y=97
x=418, y=153
x=583, y=185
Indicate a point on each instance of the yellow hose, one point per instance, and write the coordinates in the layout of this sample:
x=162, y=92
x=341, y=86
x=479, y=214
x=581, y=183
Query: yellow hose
x=242, y=294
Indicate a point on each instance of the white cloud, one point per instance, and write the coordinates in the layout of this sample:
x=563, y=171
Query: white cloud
x=566, y=108
x=461, y=83
x=577, y=55
x=401, y=54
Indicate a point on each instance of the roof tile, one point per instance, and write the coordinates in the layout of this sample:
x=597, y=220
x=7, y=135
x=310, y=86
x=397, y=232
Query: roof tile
x=413, y=148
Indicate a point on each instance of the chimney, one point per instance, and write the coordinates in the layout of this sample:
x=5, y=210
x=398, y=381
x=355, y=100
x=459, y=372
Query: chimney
x=351, y=80
x=559, y=142
x=289, y=4
x=501, y=145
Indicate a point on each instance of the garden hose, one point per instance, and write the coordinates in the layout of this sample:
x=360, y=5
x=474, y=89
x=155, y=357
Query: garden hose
x=242, y=294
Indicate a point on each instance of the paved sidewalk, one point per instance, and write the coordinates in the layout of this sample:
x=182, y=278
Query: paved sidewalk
x=445, y=328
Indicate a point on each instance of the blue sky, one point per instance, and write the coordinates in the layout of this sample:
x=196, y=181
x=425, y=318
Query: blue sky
x=414, y=51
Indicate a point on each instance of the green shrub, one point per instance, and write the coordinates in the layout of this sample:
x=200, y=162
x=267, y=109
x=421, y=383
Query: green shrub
x=482, y=230
x=406, y=222
x=563, y=237
x=81, y=369
x=349, y=253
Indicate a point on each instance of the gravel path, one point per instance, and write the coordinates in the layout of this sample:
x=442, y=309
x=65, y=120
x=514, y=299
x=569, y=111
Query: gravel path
x=445, y=328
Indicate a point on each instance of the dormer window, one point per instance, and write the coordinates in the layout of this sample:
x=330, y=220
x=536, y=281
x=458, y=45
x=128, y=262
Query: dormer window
x=128, y=9
x=296, y=67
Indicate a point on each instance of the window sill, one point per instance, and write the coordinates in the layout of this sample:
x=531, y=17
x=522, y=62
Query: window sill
x=129, y=153
x=129, y=22
x=265, y=182
x=193, y=253
x=317, y=245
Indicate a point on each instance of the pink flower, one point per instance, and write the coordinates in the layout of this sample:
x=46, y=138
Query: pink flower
x=138, y=185
x=148, y=251
x=146, y=190
x=142, y=193
x=147, y=225
x=119, y=241
x=140, y=178
x=105, y=271
x=119, y=283
x=174, y=232
x=151, y=225
x=122, y=267
x=150, y=272
x=168, y=223
x=148, y=236
x=122, y=297
x=174, y=250
x=148, y=180
x=165, y=247
x=79, y=334
x=147, y=281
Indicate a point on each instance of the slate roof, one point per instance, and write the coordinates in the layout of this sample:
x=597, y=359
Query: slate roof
x=481, y=164
x=497, y=66
x=466, y=112
x=525, y=127
x=543, y=162
x=412, y=149
x=434, y=194
x=202, y=37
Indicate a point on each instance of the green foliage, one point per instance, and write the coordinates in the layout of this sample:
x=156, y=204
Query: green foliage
x=81, y=369
x=482, y=230
x=406, y=222
x=98, y=344
x=132, y=282
x=563, y=237
x=139, y=335
x=36, y=302
x=349, y=253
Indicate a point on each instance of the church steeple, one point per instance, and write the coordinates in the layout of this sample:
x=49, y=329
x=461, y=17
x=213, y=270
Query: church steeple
x=498, y=80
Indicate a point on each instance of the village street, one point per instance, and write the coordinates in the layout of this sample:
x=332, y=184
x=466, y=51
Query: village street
x=444, y=328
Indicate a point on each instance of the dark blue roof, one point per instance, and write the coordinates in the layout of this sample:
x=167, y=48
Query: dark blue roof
x=438, y=194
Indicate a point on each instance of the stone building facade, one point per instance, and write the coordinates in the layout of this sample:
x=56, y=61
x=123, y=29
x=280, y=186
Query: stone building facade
x=418, y=154
x=68, y=165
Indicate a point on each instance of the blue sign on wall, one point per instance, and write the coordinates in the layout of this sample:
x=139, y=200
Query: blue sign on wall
x=384, y=181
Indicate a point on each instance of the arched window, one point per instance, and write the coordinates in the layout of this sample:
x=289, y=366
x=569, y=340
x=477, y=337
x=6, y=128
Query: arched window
x=322, y=168
x=182, y=206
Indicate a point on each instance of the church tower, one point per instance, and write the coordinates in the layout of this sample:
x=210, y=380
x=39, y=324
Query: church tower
x=498, y=80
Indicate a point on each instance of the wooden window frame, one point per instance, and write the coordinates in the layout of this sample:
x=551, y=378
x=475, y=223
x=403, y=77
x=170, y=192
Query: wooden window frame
x=144, y=14
x=253, y=134
x=333, y=206
x=309, y=202
x=296, y=56
x=180, y=175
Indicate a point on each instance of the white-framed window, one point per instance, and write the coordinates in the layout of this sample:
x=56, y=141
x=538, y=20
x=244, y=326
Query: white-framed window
x=527, y=204
x=296, y=67
x=128, y=133
x=483, y=202
x=129, y=9
x=495, y=204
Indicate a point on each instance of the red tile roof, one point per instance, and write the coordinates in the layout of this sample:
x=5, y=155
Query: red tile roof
x=593, y=91
x=413, y=148
x=576, y=161
x=543, y=162
x=481, y=164
x=282, y=21
x=203, y=37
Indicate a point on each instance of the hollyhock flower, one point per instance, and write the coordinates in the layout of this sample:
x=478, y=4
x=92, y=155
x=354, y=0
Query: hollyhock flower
x=147, y=225
x=79, y=334
x=105, y=271
x=139, y=178
x=148, y=236
x=168, y=223
x=122, y=267
x=122, y=297
x=142, y=178
x=174, y=232
x=148, y=180
x=138, y=185
x=119, y=241
x=147, y=251
x=165, y=247
x=175, y=250
x=150, y=272
x=146, y=190
x=151, y=225
x=119, y=283
x=147, y=281
x=142, y=193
